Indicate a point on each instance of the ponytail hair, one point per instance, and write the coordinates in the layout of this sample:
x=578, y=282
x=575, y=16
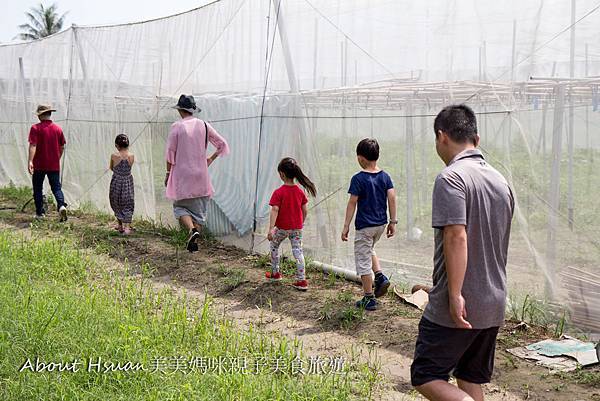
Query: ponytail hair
x=290, y=168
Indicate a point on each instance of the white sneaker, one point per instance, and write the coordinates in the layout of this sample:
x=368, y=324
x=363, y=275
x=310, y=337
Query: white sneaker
x=62, y=211
x=39, y=216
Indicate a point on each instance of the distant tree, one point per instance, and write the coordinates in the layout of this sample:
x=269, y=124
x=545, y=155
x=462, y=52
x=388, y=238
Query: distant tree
x=43, y=21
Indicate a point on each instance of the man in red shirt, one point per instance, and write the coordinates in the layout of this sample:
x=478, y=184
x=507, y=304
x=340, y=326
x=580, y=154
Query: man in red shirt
x=46, y=145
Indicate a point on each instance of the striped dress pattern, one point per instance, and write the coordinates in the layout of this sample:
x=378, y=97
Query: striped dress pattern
x=121, y=192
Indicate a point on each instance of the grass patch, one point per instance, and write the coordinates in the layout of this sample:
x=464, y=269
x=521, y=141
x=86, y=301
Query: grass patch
x=175, y=235
x=58, y=304
x=340, y=311
x=231, y=278
x=17, y=195
x=587, y=376
x=538, y=312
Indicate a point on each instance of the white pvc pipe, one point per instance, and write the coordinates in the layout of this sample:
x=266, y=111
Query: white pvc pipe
x=331, y=269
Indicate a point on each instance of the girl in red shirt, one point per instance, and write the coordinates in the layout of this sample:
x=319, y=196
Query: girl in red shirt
x=288, y=211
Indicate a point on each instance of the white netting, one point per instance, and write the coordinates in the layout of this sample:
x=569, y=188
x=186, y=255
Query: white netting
x=309, y=79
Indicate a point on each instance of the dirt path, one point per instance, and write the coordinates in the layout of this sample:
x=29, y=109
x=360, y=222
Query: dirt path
x=323, y=319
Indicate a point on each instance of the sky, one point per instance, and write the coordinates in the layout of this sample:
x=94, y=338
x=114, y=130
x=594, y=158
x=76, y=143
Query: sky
x=88, y=12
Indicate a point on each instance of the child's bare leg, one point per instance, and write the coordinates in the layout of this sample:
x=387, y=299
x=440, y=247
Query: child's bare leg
x=367, y=284
x=187, y=222
x=376, y=266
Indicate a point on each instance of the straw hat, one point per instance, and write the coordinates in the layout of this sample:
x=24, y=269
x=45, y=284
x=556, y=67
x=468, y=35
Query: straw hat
x=43, y=108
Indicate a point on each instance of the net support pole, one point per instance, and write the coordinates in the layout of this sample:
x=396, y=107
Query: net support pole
x=570, y=133
x=410, y=174
x=84, y=69
x=424, y=151
x=508, y=135
x=303, y=125
x=484, y=60
x=315, y=53
x=588, y=140
x=345, y=140
x=287, y=55
x=554, y=192
x=23, y=89
x=480, y=75
x=25, y=157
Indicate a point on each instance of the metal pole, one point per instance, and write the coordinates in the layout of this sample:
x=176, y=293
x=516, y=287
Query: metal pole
x=514, y=50
x=588, y=143
x=23, y=90
x=67, y=130
x=287, y=55
x=508, y=135
x=315, y=53
x=480, y=65
x=24, y=157
x=410, y=157
x=554, y=191
x=484, y=60
x=345, y=61
x=570, y=133
x=424, y=146
x=344, y=146
x=84, y=70
x=303, y=125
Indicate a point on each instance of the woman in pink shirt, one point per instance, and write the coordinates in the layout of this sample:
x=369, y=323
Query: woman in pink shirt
x=187, y=180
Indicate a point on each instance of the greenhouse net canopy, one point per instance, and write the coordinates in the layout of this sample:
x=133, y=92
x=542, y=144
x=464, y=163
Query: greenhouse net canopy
x=309, y=79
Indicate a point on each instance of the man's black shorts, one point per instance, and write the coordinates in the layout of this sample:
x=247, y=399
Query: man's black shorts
x=442, y=350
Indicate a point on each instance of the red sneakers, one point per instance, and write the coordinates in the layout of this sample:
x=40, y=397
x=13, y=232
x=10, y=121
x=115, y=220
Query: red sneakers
x=301, y=285
x=273, y=276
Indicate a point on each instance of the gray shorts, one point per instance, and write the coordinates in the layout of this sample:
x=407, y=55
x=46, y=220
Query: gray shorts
x=364, y=241
x=194, y=207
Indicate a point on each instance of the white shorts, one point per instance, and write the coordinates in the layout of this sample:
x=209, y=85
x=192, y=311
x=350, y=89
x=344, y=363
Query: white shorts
x=364, y=242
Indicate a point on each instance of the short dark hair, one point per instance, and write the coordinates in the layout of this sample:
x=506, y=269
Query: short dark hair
x=122, y=141
x=458, y=121
x=368, y=148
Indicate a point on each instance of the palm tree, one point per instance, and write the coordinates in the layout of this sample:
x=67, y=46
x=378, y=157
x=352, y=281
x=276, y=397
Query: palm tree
x=43, y=21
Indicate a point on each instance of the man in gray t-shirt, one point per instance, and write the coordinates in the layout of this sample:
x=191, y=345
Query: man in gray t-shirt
x=471, y=214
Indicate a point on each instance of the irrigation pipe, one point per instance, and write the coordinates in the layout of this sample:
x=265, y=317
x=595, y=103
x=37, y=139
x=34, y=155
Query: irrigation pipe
x=338, y=271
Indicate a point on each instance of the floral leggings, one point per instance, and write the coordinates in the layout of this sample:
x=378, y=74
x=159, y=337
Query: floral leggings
x=295, y=237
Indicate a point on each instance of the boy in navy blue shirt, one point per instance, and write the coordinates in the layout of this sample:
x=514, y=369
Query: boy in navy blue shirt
x=371, y=191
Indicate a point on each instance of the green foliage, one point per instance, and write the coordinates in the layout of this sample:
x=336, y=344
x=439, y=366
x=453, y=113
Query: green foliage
x=538, y=312
x=42, y=21
x=16, y=195
x=341, y=311
x=231, y=278
x=60, y=304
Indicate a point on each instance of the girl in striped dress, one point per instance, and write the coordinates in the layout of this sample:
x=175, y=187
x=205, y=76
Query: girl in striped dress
x=121, y=193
